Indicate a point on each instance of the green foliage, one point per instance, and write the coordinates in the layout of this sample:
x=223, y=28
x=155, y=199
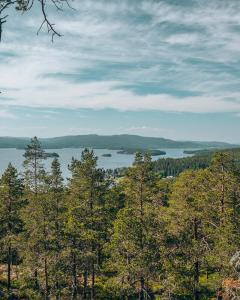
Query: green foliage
x=140, y=236
x=11, y=224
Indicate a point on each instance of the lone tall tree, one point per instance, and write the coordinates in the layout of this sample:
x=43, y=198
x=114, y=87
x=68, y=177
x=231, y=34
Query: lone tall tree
x=33, y=164
x=35, y=191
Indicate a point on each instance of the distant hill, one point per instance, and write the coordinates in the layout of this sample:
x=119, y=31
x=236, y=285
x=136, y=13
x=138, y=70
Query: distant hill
x=123, y=141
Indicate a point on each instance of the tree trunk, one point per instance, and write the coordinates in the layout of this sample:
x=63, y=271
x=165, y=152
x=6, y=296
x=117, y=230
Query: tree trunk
x=141, y=294
x=93, y=283
x=196, y=281
x=9, y=262
x=58, y=292
x=46, y=279
x=142, y=281
x=58, y=295
x=223, y=196
x=74, y=274
x=93, y=246
x=36, y=279
x=85, y=285
x=196, y=265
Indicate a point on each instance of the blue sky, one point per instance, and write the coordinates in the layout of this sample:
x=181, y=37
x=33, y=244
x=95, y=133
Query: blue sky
x=162, y=68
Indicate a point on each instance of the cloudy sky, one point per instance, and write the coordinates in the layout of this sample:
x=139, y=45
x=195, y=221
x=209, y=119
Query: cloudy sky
x=164, y=68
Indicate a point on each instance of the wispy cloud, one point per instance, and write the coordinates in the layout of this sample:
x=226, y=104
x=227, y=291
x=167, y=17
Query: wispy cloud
x=7, y=115
x=108, y=47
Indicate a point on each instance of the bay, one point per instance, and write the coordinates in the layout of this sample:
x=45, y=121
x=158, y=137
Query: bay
x=15, y=156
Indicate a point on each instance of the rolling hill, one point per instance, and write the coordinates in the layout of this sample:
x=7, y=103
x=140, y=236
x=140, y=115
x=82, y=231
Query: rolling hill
x=123, y=141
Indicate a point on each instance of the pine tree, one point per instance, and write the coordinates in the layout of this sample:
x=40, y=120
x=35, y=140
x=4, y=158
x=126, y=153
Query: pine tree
x=56, y=205
x=135, y=254
x=189, y=226
x=33, y=163
x=11, y=202
x=224, y=202
x=34, y=235
x=85, y=220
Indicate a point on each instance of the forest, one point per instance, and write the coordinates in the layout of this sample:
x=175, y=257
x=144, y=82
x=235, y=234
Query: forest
x=137, y=236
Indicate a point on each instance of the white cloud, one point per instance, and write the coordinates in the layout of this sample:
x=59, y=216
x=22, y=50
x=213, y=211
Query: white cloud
x=7, y=115
x=148, y=131
x=98, y=95
x=184, y=39
x=144, y=34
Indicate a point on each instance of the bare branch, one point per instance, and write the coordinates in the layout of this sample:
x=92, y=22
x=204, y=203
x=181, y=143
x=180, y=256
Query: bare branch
x=2, y=21
x=26, y=5
x=6, y=5
x=50, y=26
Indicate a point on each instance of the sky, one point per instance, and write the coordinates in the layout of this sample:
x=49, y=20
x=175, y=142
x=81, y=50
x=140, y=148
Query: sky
x=163, y=68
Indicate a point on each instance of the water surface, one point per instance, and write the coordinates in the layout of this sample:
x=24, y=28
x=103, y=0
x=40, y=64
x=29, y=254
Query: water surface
x=15, y=156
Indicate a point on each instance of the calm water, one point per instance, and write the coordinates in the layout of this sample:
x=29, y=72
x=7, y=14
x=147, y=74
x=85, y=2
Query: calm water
x=116, y=161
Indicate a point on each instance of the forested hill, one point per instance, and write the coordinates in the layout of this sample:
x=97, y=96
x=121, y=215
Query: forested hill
x=109, y=142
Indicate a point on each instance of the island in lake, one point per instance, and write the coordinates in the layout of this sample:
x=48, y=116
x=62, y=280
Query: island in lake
x=48, y=155
x=133, y=151
x=107, y=155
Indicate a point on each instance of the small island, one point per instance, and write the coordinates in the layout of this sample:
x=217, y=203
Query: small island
x=107, y=155
x=133, y=151
x=48, y=155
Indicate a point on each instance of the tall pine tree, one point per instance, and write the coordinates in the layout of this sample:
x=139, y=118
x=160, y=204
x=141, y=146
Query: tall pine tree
x=11, y=202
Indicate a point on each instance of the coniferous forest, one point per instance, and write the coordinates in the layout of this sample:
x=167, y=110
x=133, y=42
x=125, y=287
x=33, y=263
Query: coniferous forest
x=139, y=236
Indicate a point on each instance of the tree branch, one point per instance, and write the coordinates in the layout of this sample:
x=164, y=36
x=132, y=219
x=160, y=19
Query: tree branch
x=50, y=26
x=26, y=5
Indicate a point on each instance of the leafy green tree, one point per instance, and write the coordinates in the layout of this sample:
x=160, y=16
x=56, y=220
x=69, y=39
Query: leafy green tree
x=11, y=202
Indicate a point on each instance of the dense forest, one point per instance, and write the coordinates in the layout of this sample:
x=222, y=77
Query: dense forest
x=200, y=159
x=138, y=236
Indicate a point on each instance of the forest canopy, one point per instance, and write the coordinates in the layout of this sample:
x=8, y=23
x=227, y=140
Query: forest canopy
x=138, y=236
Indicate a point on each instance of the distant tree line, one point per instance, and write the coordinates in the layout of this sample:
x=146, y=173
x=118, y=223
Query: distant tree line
x=174, y=166
x=139, y=236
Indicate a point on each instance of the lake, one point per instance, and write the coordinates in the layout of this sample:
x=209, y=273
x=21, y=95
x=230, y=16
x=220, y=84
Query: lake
x=115, y=161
